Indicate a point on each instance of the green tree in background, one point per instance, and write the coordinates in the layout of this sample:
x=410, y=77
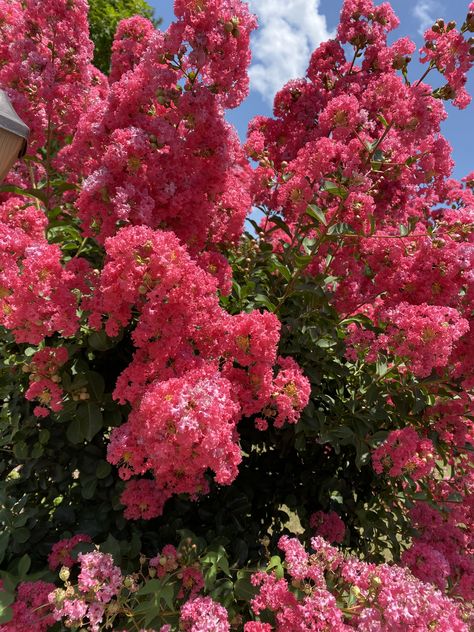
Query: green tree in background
x=104, y=15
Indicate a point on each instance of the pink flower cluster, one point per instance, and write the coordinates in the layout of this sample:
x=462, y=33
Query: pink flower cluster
x=45, y=379
x=196, y=370
x=156, y=150
x=442, y=551
x=61, y=552
x=328, y=526
x=356, y=140
x=46, y=65
x=423, y=335
x=165, y=562
x=383, y=598
x=31, y=610
x=404, y=452
x=130, y=42
x=202, y=614
x=36, y=297
x=446, y=49
x=163, y=183
x=99, y=581
x=99, y=575
x=442, y=547
x=362, y=24
x=292, y=392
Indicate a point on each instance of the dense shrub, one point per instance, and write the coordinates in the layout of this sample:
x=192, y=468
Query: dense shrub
x=184, y=398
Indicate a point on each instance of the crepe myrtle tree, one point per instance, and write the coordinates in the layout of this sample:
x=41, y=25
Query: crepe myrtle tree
x=211, y=422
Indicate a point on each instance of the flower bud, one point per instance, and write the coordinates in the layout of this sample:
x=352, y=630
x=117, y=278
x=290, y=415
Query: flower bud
x=128, y=581
x=64, y=573
x=470, y=22
x=376, y=582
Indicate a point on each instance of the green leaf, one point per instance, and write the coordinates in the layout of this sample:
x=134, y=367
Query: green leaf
x=303, y=260
x=341, y=229
x=153, y=586
x=210, y=577
x=31, y=193
x=281, y=225
x=335, y=189
x=112, y=546
x=60, y=186
x=44, y=435
x=4, y=540
x=6, y=599
x=167, y=595
x=260, y=299
x=378, y=156
x=222, y=561
x=20, y=450
x=95, y=384
x=90, y=417
x=24, y=565
x=21, y=535
x=281, y=268
x=244, y=590
x=276, y=566
x=74, y=432
x=86, y=425
x=88, y=487
x=37, y=451
x=316, y=213
x=6, y=613
x=103, y=469
x=99, y=341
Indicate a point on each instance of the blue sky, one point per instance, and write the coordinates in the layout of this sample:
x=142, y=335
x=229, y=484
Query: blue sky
x=291, y=29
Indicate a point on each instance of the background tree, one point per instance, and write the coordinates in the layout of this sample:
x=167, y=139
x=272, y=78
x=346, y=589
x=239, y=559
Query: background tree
x=104, y=16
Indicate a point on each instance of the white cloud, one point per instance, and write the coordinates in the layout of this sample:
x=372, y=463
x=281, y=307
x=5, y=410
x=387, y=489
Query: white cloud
x=427, y=11
x=289, y=31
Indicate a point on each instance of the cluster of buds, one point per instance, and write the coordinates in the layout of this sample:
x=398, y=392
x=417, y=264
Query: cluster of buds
x=36, y=375
x=441, y=27
x=232, y=27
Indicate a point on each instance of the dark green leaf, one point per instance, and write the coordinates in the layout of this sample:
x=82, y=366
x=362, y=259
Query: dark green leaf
x=341, y=229
x=335, y=189
x=244, y=590
x=24, y=565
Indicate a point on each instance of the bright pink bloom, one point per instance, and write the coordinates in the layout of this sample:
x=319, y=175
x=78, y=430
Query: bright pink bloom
x=204, y=615
x=99, y=574
x=405, y=453
x=130, y=41
x=61, y=551
x=450, y=53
